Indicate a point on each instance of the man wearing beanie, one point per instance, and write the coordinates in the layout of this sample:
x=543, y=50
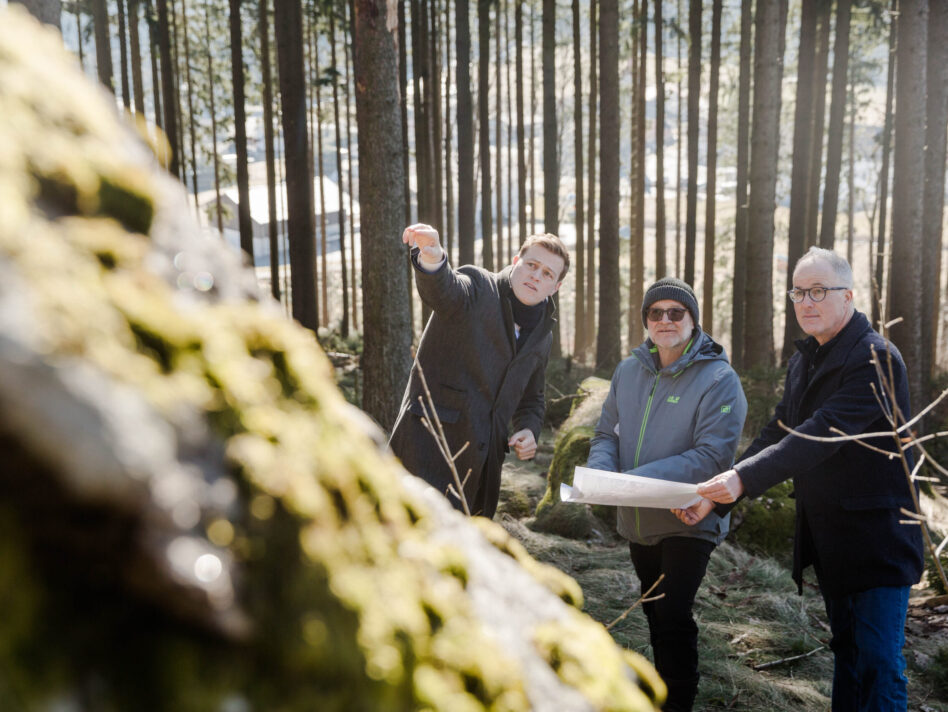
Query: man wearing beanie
x=483, y=355
x=674, y=412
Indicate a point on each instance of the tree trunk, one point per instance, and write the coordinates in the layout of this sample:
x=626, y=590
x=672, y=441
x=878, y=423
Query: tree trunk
x=711, y=182
x=694, y=96
x=834, y=144
x=154, y=52
x=908, y=187
x=48, y=12
x=591, y=266
x=498, y=140
x=240, y=131
x=103, y=47
x=134, y=45
x=465, y=103
x=386, y=357
x=521, y=134
x=880, y=292
x=768, y=62
x=934, y=201
x=580, y=278
x=609, y=340
x=483, y=129
x=123, y=53
x=660, y=250
x=741, y=209
x=344, y=326
x=263, y=29
x=799, y=172
x=551, y=169
x=288, y=26
x=167, y=87
x=815, y=166
x=190, y=98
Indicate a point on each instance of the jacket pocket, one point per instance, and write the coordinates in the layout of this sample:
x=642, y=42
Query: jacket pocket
x=870, y=501
x=448, y=402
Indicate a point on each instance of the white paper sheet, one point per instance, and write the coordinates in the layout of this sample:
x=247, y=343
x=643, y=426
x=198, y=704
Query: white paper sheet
x=617, y=488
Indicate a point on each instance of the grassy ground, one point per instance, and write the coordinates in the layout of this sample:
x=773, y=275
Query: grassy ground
x=748, y=612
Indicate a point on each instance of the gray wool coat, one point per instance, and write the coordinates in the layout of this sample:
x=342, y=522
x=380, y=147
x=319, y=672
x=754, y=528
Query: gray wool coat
x=478, y=380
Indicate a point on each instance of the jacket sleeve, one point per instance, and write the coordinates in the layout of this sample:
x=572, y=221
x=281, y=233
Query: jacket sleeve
x=445, y=291
x=604, y=446
x=718, y=425
x=529, y=413
x=851, y=409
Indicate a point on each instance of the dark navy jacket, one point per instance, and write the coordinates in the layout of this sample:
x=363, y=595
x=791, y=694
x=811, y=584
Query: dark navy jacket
x=847, y=496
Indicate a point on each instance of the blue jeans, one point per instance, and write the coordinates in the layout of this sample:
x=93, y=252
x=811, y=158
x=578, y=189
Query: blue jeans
x=868, y=635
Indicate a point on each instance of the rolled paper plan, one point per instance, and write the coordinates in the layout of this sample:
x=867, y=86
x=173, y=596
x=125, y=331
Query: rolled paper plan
x=624, y=490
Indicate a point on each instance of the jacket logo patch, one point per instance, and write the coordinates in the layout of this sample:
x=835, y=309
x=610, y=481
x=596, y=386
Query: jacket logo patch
x=725, y=409
x=673, y=399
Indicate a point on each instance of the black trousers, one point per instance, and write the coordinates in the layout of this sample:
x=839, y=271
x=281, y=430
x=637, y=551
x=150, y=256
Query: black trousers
x=672, y=629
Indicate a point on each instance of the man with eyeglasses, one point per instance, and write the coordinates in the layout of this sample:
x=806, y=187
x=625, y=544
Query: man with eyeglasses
x=483, y=355
x=675, y=411
x=848, y=496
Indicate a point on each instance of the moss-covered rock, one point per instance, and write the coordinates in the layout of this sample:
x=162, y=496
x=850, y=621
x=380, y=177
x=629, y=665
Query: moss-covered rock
x=571, y=448
x=191, y=516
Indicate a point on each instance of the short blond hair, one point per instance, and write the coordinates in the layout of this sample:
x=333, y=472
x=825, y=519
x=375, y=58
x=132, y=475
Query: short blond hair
x=551, y=243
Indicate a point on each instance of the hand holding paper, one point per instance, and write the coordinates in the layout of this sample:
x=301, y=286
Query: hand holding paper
x=624, y=490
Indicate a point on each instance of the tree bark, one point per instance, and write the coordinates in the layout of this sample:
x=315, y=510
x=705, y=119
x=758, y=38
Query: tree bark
x=240, y=131
x=483, y=130
x=712, y=155
x=465, y=103
x=834, y=144
x=741, y=209
x=103, y=47
x=591, y=264
x=934, y=201
x=579, y=335
x=768, y=62
x=908, y=187
x=288, y=26
x=134, y=45
x=799, y=172
x=694, y=95
x=660, y=249
x=386, y=357
x=609, y=340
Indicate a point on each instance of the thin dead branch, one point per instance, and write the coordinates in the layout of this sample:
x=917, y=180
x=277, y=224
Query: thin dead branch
x=643, y=599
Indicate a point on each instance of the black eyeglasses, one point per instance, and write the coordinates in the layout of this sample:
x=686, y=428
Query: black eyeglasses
x=674, y=313
x=817, y=294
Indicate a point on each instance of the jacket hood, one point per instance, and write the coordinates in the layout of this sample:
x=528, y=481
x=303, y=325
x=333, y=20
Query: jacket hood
x=701, y=348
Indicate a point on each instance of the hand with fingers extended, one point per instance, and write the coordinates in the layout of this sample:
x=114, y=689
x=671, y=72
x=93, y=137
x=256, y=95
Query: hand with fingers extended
x=723, y=488
x=427, y=240
x=524, y=443
x=695, y=513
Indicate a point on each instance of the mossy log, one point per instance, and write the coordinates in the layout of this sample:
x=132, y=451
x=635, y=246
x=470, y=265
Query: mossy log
x=191, y=516
x=571, y=448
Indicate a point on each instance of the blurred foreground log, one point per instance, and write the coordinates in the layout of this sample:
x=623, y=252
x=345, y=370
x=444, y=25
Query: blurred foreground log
x=191, y=517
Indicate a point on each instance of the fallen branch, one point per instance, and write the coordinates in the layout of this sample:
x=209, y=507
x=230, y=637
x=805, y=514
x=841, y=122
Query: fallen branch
x=775, y=663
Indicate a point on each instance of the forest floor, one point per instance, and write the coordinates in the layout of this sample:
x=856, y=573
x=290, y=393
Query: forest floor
x=747, y=609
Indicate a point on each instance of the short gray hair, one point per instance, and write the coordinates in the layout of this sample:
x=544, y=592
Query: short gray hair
x=838, y=264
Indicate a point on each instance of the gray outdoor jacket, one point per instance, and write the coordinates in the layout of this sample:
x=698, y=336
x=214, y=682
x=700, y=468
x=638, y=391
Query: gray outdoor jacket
x=680, y=423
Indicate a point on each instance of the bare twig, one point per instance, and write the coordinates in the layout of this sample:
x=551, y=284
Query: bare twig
x=794, y=658
x=644, y=599
x=442, y=442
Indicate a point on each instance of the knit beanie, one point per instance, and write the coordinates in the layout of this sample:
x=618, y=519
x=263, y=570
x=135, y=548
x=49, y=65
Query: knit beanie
x=671, y=288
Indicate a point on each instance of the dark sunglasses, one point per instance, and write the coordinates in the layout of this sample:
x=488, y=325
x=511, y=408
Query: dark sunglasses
x=674, y=313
